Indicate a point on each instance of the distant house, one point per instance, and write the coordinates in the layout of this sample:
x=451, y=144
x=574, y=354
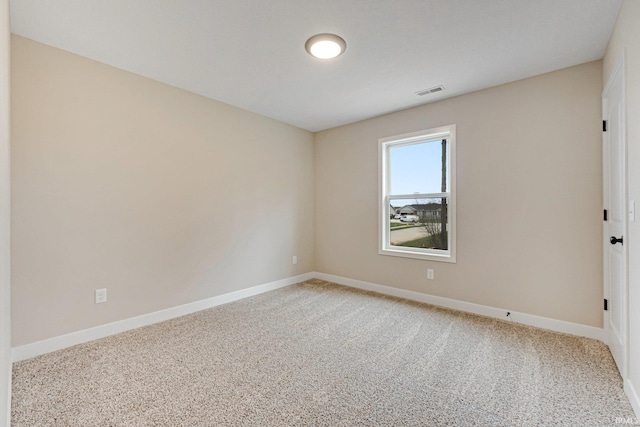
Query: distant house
x=408, y=210
x=392, y=211
x=424, y=210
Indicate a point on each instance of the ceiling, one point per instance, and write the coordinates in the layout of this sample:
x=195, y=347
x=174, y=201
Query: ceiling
x=250, y=53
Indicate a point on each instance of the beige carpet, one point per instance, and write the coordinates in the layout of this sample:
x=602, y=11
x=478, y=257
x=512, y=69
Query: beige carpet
x=318, y=354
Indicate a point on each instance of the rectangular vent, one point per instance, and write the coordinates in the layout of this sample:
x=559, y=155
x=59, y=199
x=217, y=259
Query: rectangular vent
x=430, y=91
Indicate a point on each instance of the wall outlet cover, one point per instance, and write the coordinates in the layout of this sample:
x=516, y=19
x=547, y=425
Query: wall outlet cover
x=101, y=295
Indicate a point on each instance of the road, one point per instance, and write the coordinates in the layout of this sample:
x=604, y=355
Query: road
x=406, y=234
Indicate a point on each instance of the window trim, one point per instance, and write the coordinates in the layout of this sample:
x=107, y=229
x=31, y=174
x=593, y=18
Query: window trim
x=384, y=144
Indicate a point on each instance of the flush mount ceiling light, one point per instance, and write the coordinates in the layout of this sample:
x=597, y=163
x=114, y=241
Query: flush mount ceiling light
x=325, y=46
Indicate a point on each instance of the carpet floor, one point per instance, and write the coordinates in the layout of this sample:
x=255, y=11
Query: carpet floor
x=319, y=354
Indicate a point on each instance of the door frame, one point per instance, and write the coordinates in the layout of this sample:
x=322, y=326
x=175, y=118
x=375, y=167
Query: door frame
x=617, y=73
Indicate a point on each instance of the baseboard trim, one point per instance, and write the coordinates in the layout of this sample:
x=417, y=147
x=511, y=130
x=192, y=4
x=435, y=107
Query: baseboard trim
x=498, y=313
x=633, y=396
x=38, y=348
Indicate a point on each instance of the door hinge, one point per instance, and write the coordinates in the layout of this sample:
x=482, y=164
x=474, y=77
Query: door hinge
x=604, y=126
x=606, y=304
x=606, y=217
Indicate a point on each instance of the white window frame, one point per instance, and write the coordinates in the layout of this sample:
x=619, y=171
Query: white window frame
x=385, y=144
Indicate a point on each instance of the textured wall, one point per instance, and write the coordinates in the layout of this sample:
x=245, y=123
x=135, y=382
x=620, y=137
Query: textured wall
x=626, y=36
x=162, y=196
x=528, y=201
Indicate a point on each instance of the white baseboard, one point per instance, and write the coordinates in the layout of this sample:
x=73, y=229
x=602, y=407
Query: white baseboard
x=57, y=343
x=28, y=351
x=633, y=396
x=498, y=313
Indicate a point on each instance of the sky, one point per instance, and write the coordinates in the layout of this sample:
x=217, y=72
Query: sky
x=416, y=168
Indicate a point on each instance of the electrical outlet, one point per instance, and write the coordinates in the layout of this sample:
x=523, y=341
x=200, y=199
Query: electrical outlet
x=430, y=274
x=295, y=259
x=101, y=295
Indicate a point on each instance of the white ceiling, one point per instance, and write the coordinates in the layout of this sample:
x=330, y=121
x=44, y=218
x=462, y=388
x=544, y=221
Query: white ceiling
x=250, y=53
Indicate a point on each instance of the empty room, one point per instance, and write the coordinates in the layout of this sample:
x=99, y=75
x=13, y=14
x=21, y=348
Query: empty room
x=319, y=213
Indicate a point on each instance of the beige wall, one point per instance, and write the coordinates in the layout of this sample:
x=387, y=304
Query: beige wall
x=528, y=198
x=5, y=289
x=626, y=37
x=161, y=196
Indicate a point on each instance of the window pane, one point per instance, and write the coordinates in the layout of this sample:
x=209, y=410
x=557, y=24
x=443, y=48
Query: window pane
x=419, y=224
x=418, y=168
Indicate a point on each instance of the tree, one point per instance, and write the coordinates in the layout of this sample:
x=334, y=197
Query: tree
x=436, y=228
x=443, y=210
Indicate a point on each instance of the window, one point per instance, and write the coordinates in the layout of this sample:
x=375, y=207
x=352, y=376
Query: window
x=417, y=195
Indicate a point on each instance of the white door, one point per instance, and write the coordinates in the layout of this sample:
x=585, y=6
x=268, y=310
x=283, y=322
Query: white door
x=615, y=225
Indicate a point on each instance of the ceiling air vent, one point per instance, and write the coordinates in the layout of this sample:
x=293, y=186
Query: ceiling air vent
x=430, y=91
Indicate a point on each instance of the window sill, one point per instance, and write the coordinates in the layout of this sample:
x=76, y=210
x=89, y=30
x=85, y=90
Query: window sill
x=449, y=257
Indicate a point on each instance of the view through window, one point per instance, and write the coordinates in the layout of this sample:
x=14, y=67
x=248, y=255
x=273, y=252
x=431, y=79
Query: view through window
x=418, y=207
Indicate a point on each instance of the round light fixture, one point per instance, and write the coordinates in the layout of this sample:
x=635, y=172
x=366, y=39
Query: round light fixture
x=325, y=46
